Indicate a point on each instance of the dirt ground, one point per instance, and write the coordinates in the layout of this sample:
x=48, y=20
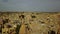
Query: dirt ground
x=30, y=22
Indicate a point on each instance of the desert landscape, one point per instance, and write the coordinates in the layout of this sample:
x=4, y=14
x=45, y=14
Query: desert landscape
x=29, y=23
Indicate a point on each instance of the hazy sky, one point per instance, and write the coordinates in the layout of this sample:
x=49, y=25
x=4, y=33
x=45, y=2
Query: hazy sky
x=30, y=5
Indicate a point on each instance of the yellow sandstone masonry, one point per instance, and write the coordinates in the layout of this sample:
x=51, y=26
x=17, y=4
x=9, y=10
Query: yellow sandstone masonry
x=30, y=23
